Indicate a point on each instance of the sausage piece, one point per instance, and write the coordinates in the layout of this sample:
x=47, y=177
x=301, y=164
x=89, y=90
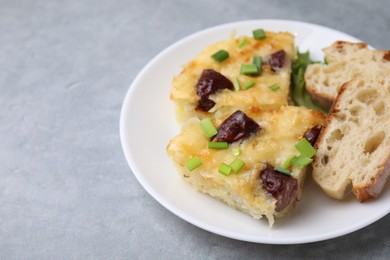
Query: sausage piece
x=277, y=60
x=236, y=127
x=312, y=134
x=282, y=187
x=210, y=82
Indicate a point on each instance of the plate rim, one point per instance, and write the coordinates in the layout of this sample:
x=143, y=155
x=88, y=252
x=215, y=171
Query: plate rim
x=183, y=215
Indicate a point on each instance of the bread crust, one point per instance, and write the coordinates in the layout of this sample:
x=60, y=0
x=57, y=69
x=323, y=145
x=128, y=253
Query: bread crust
x=340, y=53
x=340, y=45
x=369, y=190
x=329, y=118
x=386, y=56
x=321, y=99
x=374, y=188
x=320, y=141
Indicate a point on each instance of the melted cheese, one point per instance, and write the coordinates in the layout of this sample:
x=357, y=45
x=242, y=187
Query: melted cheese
x=183, y=86
x=280, y=130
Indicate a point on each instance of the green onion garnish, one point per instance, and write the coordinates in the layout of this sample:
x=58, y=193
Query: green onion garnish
x=248, y=84
x=259, y=34
x=305, y=148
x=274, y=87
x=301, y=161
x=249, y=69
x=220, y=56
x=236, y=165
x=193, y=163
x=236, y=84
x=218, y=145
x=282, y=170
x=287, y=163
x=236, y=151
x=242, y=43
x=258, y=60
x=224, y=169
x=208, y=128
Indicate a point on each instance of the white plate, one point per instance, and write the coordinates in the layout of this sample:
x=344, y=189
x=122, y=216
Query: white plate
x=147, y=123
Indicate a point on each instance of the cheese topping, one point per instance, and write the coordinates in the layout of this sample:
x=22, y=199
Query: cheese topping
x=280, y=130
x=183, y=85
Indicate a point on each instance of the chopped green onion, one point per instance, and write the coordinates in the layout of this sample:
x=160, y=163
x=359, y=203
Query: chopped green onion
x=305, y=148
x=236, y=84
x=236, y=151
x=208, y=128
x=259, y=34
x=242, y=43
x=236, y=165
x=249, y=69
x=282, y=170
x=193, y=163
x=325, y=61
x=287, y=163
x=248, y=84
x=301, y=161
x=220, y=56
x=274, y=87
x=218, y=145
x=258, y=60
x=224, y=169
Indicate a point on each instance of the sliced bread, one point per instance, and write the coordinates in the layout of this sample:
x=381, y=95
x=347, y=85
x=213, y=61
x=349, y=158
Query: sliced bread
x=345, y=61
x=353, y=148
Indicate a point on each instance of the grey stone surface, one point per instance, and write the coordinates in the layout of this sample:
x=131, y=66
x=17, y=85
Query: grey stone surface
x=66, y=191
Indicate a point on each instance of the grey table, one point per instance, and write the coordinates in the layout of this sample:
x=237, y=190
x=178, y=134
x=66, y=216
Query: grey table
x=66, y=191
